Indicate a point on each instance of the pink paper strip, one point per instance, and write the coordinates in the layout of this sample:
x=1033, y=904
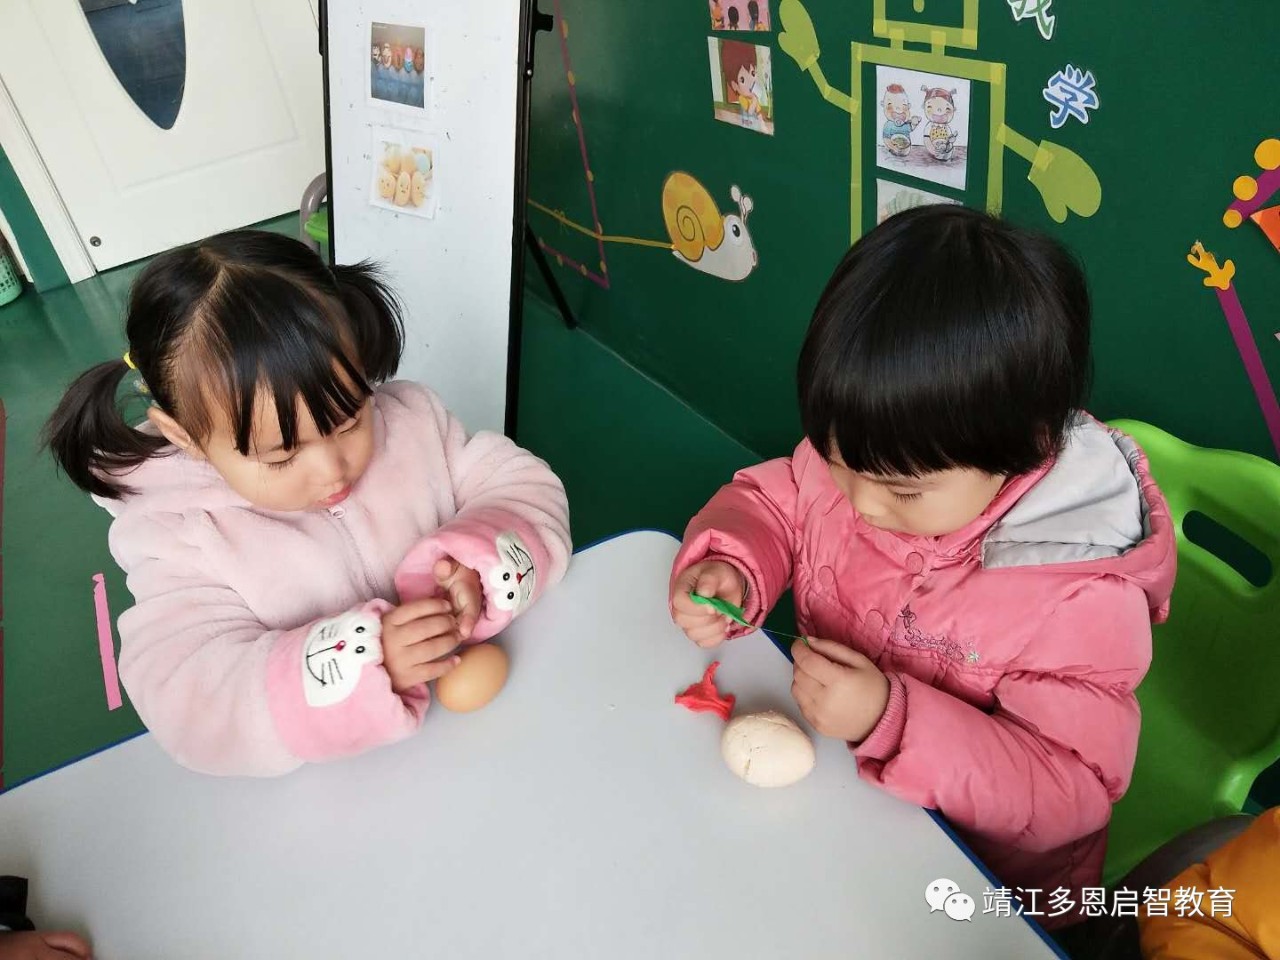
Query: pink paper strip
x=1252, y=360
x=106, y=647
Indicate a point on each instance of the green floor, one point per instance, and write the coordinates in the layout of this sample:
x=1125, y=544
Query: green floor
x=631, y=454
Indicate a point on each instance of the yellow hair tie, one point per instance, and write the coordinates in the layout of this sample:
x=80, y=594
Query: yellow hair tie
x=128, y=361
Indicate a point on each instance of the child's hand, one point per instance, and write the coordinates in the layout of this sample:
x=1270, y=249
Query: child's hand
x=415, y=638
x=710, y=578
x=462, y=584
x=840, y=692
x=38, y=945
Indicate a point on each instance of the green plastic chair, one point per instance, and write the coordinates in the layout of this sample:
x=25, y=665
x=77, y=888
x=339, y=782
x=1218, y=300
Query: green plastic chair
x=1211, y=702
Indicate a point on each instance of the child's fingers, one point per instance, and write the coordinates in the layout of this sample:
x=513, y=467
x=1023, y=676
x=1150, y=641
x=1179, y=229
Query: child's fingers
x=708, y=633
x=706, y=642
x=69, y=944
x=686, y=608
x=804, y=699
x=423, y=673
x=445, y=568
x=813, y=665
x=428, y=651
x=720, y=580
x=680, y=601
x=427, y=672
x=416, y=610
x=807, y=682
x=839, y=653
x=422, y=630
x=467, y=603
x=467, y=624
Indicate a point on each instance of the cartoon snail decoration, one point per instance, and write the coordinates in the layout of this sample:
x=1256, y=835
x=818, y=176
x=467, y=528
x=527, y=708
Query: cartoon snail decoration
x=703, y=238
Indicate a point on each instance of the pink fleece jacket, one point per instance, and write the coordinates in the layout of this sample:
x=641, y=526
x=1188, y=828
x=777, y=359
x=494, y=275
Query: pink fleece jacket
x=1012, y=647
x=254, y=642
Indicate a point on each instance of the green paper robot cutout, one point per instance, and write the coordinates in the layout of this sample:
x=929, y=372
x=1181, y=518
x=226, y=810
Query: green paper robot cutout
x=1067, y=184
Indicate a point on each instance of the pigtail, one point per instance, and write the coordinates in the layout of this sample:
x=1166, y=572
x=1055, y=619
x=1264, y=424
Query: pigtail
x=375, y=317
x=89, y=437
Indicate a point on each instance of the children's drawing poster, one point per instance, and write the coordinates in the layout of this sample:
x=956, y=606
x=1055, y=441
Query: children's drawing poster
x=740, y=15
x=924, y=125
x=399, y=67
x=742, y=84
x=893, y=198
x=404, y=172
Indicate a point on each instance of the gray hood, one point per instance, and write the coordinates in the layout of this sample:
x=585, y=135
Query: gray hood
x=1089, y=506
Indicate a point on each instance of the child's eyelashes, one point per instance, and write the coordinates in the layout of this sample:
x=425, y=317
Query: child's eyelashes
x=906, y=497
x=347, y=427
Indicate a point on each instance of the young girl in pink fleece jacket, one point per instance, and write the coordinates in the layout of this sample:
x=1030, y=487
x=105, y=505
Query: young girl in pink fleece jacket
x=306, y=544
x=981, y=561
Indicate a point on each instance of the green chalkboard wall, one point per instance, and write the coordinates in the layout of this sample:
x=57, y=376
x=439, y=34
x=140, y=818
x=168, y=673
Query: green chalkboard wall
x=1185, y=96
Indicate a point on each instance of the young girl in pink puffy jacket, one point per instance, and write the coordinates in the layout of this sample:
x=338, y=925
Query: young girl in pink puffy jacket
x=306, y=543
x=979, y=560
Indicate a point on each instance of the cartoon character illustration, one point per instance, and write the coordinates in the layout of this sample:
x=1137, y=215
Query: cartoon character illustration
x=1067, y=184
x=734, y=16
x=404, y=188
x=700, y=236
x=418, y=188
x=940, y=108
x=376, y=54
x=738, y=62
x=397, y=58
x=386, y=55
x=898, y=121
x=753, y=15
x=334, y=656
x=409, y=55
x=513, y=579
x=386, y=184
x=717, y=15
x=419, y=59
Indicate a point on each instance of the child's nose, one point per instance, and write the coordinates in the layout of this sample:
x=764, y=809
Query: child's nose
x=333, y=467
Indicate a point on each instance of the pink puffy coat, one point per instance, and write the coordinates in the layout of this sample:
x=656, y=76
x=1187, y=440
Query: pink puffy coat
x=254, y=642
x=1012, y=646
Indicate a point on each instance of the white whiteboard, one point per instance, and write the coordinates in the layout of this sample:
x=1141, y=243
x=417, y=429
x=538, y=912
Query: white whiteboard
x=452, y=271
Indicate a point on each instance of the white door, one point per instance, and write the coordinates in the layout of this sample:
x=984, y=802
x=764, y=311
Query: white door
x=247, y=137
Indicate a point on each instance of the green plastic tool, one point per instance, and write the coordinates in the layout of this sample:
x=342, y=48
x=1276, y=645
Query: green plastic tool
x=736, y=615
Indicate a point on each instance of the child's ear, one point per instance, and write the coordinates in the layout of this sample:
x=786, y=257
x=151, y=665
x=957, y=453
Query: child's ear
x=172, y=431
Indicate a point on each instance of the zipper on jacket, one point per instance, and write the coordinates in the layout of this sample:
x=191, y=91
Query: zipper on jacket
x=338, y=513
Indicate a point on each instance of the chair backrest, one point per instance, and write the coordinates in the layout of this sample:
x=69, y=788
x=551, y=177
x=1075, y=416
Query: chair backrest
x=1218, y=657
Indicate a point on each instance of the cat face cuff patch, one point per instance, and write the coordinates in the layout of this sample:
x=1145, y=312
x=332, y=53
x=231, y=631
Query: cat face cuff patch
x=512, y=580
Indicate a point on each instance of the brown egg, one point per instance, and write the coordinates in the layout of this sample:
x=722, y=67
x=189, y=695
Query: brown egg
x=475, y=681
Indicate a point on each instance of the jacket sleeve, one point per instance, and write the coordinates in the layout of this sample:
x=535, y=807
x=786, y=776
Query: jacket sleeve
x=225, y=695
x=1044, y=766
x=751, y=524
x=511, y=525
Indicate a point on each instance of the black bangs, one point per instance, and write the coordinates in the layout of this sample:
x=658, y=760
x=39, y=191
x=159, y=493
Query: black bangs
x=946, y=338
x=307, y=358
x=221, y=321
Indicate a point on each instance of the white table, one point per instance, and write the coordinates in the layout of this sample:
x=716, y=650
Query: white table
x=582, y=814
